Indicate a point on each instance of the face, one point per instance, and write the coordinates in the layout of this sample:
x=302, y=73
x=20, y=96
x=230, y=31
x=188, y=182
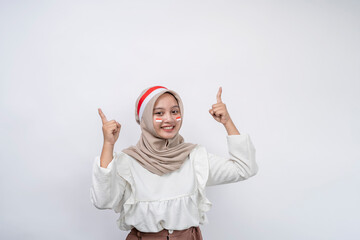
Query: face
x=166, y=109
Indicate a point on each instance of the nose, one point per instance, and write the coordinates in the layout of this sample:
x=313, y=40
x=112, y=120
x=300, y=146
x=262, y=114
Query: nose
x=167, y=117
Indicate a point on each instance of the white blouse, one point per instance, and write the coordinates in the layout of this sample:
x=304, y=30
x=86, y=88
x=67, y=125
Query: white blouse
x=173, y=201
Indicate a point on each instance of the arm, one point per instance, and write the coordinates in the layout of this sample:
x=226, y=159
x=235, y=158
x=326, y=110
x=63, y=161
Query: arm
x=239, y=166
x=106, y=154
x=107, y=187
x=231, y=128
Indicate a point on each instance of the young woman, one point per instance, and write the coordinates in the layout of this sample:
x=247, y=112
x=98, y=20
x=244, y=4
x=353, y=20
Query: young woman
x=158, y=186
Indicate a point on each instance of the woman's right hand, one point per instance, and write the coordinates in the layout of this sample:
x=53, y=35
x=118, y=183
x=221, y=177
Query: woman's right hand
x=111, y=129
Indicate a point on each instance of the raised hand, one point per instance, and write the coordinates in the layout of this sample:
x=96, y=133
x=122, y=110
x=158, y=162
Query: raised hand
x=218, y=110
x=111, y=129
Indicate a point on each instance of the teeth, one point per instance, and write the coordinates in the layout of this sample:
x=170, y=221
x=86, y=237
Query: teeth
x=168, y=127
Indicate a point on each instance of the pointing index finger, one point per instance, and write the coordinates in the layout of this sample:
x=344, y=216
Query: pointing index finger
x=218, y=96
x=102, y=115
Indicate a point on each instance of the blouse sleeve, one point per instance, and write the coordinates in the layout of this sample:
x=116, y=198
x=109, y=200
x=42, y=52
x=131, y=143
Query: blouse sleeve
x=107, y=186
x=240, y=166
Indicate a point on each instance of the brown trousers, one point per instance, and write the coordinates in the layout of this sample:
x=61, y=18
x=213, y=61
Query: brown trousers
x=192, y=233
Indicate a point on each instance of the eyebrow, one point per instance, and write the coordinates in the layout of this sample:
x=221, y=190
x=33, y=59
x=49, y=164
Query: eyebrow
x=164, y=108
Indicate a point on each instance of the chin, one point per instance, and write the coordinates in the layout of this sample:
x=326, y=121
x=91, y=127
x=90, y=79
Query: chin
x=167, y=135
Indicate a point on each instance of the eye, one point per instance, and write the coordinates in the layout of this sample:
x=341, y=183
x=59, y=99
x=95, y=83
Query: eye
x=158, y=113
x=175, y=111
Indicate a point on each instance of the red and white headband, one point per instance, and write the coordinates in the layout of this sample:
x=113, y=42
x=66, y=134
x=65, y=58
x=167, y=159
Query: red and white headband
x=146, y=97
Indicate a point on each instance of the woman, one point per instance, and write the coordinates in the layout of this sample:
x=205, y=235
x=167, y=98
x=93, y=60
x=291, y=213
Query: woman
x=158, y=186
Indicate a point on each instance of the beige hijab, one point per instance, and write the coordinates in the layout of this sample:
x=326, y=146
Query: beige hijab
x=158, y=155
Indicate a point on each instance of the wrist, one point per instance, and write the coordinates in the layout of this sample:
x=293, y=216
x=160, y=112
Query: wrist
x=108, y=144
x=231, y=128
x=228, y=123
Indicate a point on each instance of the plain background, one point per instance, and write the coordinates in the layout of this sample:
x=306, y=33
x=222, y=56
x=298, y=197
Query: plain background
x=290, y=74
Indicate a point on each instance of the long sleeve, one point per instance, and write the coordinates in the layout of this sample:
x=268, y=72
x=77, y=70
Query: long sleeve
x=240, y=166
x=107, y=186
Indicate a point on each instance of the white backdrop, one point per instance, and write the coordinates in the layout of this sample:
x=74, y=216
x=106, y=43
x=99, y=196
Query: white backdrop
x=290, y=74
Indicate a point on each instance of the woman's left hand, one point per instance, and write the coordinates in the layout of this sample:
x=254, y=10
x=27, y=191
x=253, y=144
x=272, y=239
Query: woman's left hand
x=219, y=111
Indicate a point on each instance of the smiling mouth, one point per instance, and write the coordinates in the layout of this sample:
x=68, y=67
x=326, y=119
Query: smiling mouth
x=168, y=128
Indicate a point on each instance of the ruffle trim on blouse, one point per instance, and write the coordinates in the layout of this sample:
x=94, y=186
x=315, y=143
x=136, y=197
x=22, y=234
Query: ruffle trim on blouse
x=201, y=168
x=123, y=169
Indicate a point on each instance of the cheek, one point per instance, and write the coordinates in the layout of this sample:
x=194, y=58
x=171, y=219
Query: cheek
x=158, y=120
x=157, y=124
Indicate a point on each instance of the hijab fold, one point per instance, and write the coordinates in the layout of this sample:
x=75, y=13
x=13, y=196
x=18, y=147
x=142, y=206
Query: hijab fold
x=158, y=155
